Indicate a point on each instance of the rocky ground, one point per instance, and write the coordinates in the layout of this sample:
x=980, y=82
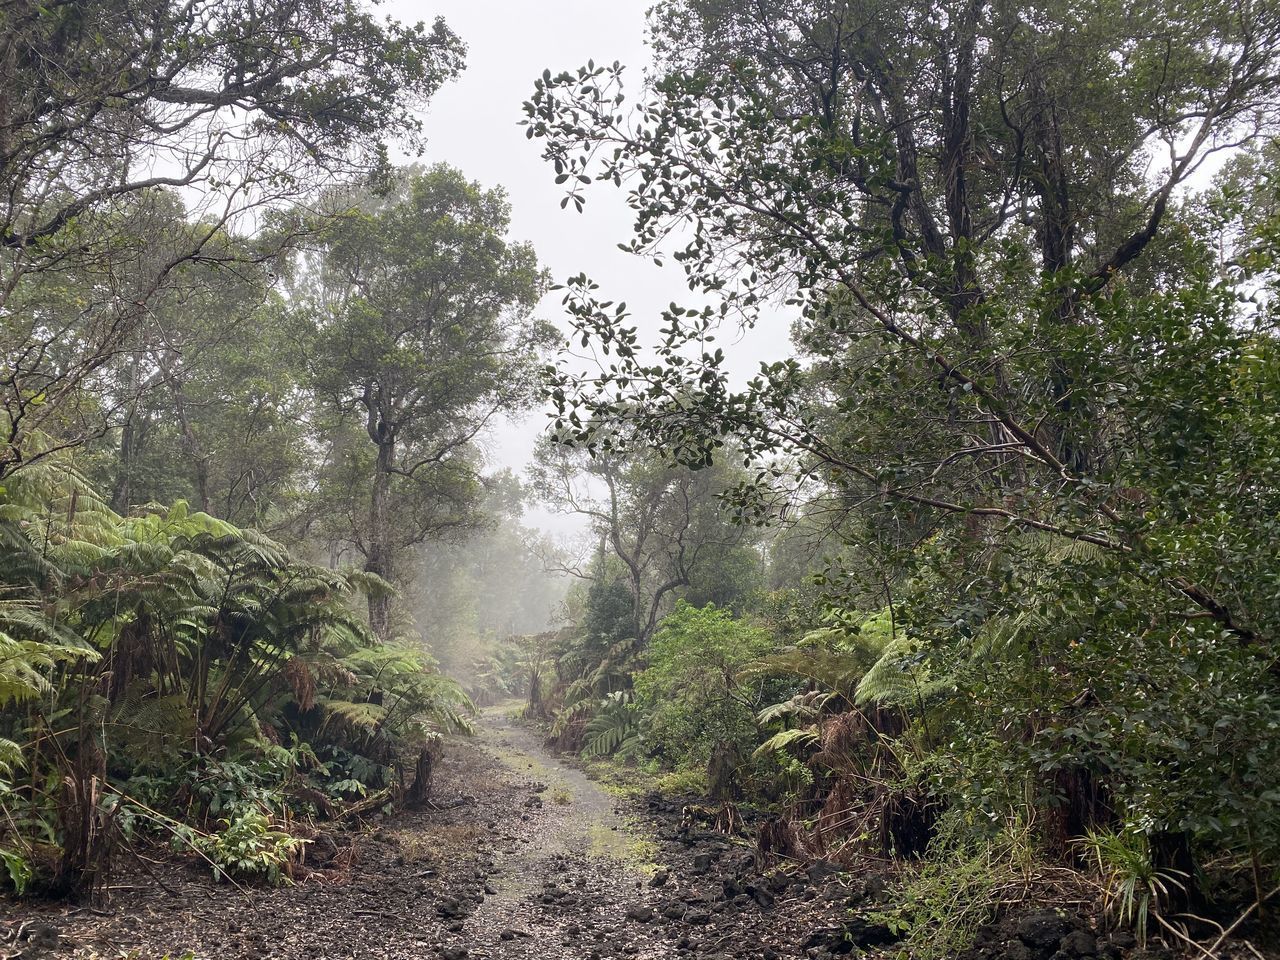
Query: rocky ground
x=527, y=858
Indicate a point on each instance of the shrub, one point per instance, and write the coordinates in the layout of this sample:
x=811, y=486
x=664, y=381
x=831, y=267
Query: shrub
x=249, y=846
x=690, y=690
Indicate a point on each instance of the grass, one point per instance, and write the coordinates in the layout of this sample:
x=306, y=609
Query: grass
x=631, y=781
x=626, y=845
x=438, y=842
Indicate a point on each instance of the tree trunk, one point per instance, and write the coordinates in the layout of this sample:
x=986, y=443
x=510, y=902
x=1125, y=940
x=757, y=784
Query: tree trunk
x=123, y=490
x=420, y=790
x=722, y=772
x=378, y=558
x=195, y=450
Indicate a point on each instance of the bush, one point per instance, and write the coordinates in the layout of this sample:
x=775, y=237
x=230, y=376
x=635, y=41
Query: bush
x=690, y=691
x=166, y=657
x=249, y=846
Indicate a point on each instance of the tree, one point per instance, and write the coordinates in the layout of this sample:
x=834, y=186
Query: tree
x=690, y=688
x=1024, y=366
x=663, y=523
x=423, y=336
x=239, y=104
x=949, y=195
x=213, y=409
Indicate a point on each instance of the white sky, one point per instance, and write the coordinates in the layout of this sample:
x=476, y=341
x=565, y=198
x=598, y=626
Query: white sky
x=473, y=124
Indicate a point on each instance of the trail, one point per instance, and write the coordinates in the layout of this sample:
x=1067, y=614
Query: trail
x=523, y=857
x=562, y=879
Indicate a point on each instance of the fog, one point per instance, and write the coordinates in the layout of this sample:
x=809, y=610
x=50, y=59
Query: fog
x=474, y=124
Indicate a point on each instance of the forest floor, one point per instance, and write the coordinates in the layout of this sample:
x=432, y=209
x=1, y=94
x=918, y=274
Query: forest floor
x=527, y=858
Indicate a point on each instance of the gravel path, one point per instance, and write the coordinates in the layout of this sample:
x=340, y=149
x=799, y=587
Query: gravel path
x=527, y=858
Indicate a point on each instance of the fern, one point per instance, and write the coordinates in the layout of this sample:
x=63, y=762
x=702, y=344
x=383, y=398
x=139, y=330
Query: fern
x=170, y=629
x=615, y=723
x=803, y=737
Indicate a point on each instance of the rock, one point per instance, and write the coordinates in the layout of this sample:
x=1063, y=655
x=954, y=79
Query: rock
x=673, y=910
x=40, y=939
x=455, y=953
x=857, y=934
x=660, y=878
x=697, y=918
x=1043, y=930
x=322, y=850
x=1079, y=943
x=820, y=870
x=453, y=908
x=639, y=912
x=701, y=863
x=762, y=896
x=1122, y=940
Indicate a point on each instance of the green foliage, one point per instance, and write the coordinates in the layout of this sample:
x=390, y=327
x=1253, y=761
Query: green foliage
x=690, y=691
x=18, y=869
x=1034, y=396
x=802, y=737
x=165, y=654
x=837, y=656
x=1135, y=887
x=249, y=846
x=684, y=782
x=959, y=888
x=613, y=729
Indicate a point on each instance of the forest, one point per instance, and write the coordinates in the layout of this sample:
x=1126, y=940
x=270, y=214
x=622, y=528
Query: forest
x=943, y=625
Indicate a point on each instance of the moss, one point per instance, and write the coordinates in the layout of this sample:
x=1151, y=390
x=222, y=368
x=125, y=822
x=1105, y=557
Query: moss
x=626, y=844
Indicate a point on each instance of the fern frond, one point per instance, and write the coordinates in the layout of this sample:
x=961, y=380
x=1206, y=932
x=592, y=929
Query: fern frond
x=797, y=736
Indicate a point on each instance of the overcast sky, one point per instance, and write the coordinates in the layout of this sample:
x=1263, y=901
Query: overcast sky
x=473, y=124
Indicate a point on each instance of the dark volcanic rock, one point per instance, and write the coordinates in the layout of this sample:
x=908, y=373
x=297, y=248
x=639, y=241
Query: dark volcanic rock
x=453, y=908
x=1044, y=929
x=641, y=913
x=857, y=934
x=762, y=896
x=1039, y=935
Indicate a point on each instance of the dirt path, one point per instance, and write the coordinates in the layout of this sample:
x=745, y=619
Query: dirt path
x=526, y=858
x=562, y=882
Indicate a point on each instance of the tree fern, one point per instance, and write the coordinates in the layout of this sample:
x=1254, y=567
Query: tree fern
x=615, y=722
x=172, y=632
x=803, y=737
